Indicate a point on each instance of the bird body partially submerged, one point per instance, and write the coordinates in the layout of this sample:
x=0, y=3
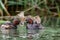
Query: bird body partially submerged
x=9, y=28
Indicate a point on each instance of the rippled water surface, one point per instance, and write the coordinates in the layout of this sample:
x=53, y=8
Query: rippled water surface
x=22, y=34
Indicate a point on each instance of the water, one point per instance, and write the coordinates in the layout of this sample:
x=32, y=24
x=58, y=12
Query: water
x=22, y=34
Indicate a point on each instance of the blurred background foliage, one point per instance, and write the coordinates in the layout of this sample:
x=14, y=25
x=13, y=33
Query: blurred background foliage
x=48, y=10
x=42, y=7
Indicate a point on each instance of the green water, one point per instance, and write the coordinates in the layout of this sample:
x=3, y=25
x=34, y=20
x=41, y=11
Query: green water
x=2, y=21
x=47, y=34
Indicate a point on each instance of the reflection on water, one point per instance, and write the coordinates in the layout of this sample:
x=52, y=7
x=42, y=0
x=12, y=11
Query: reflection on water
x=21, y=34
